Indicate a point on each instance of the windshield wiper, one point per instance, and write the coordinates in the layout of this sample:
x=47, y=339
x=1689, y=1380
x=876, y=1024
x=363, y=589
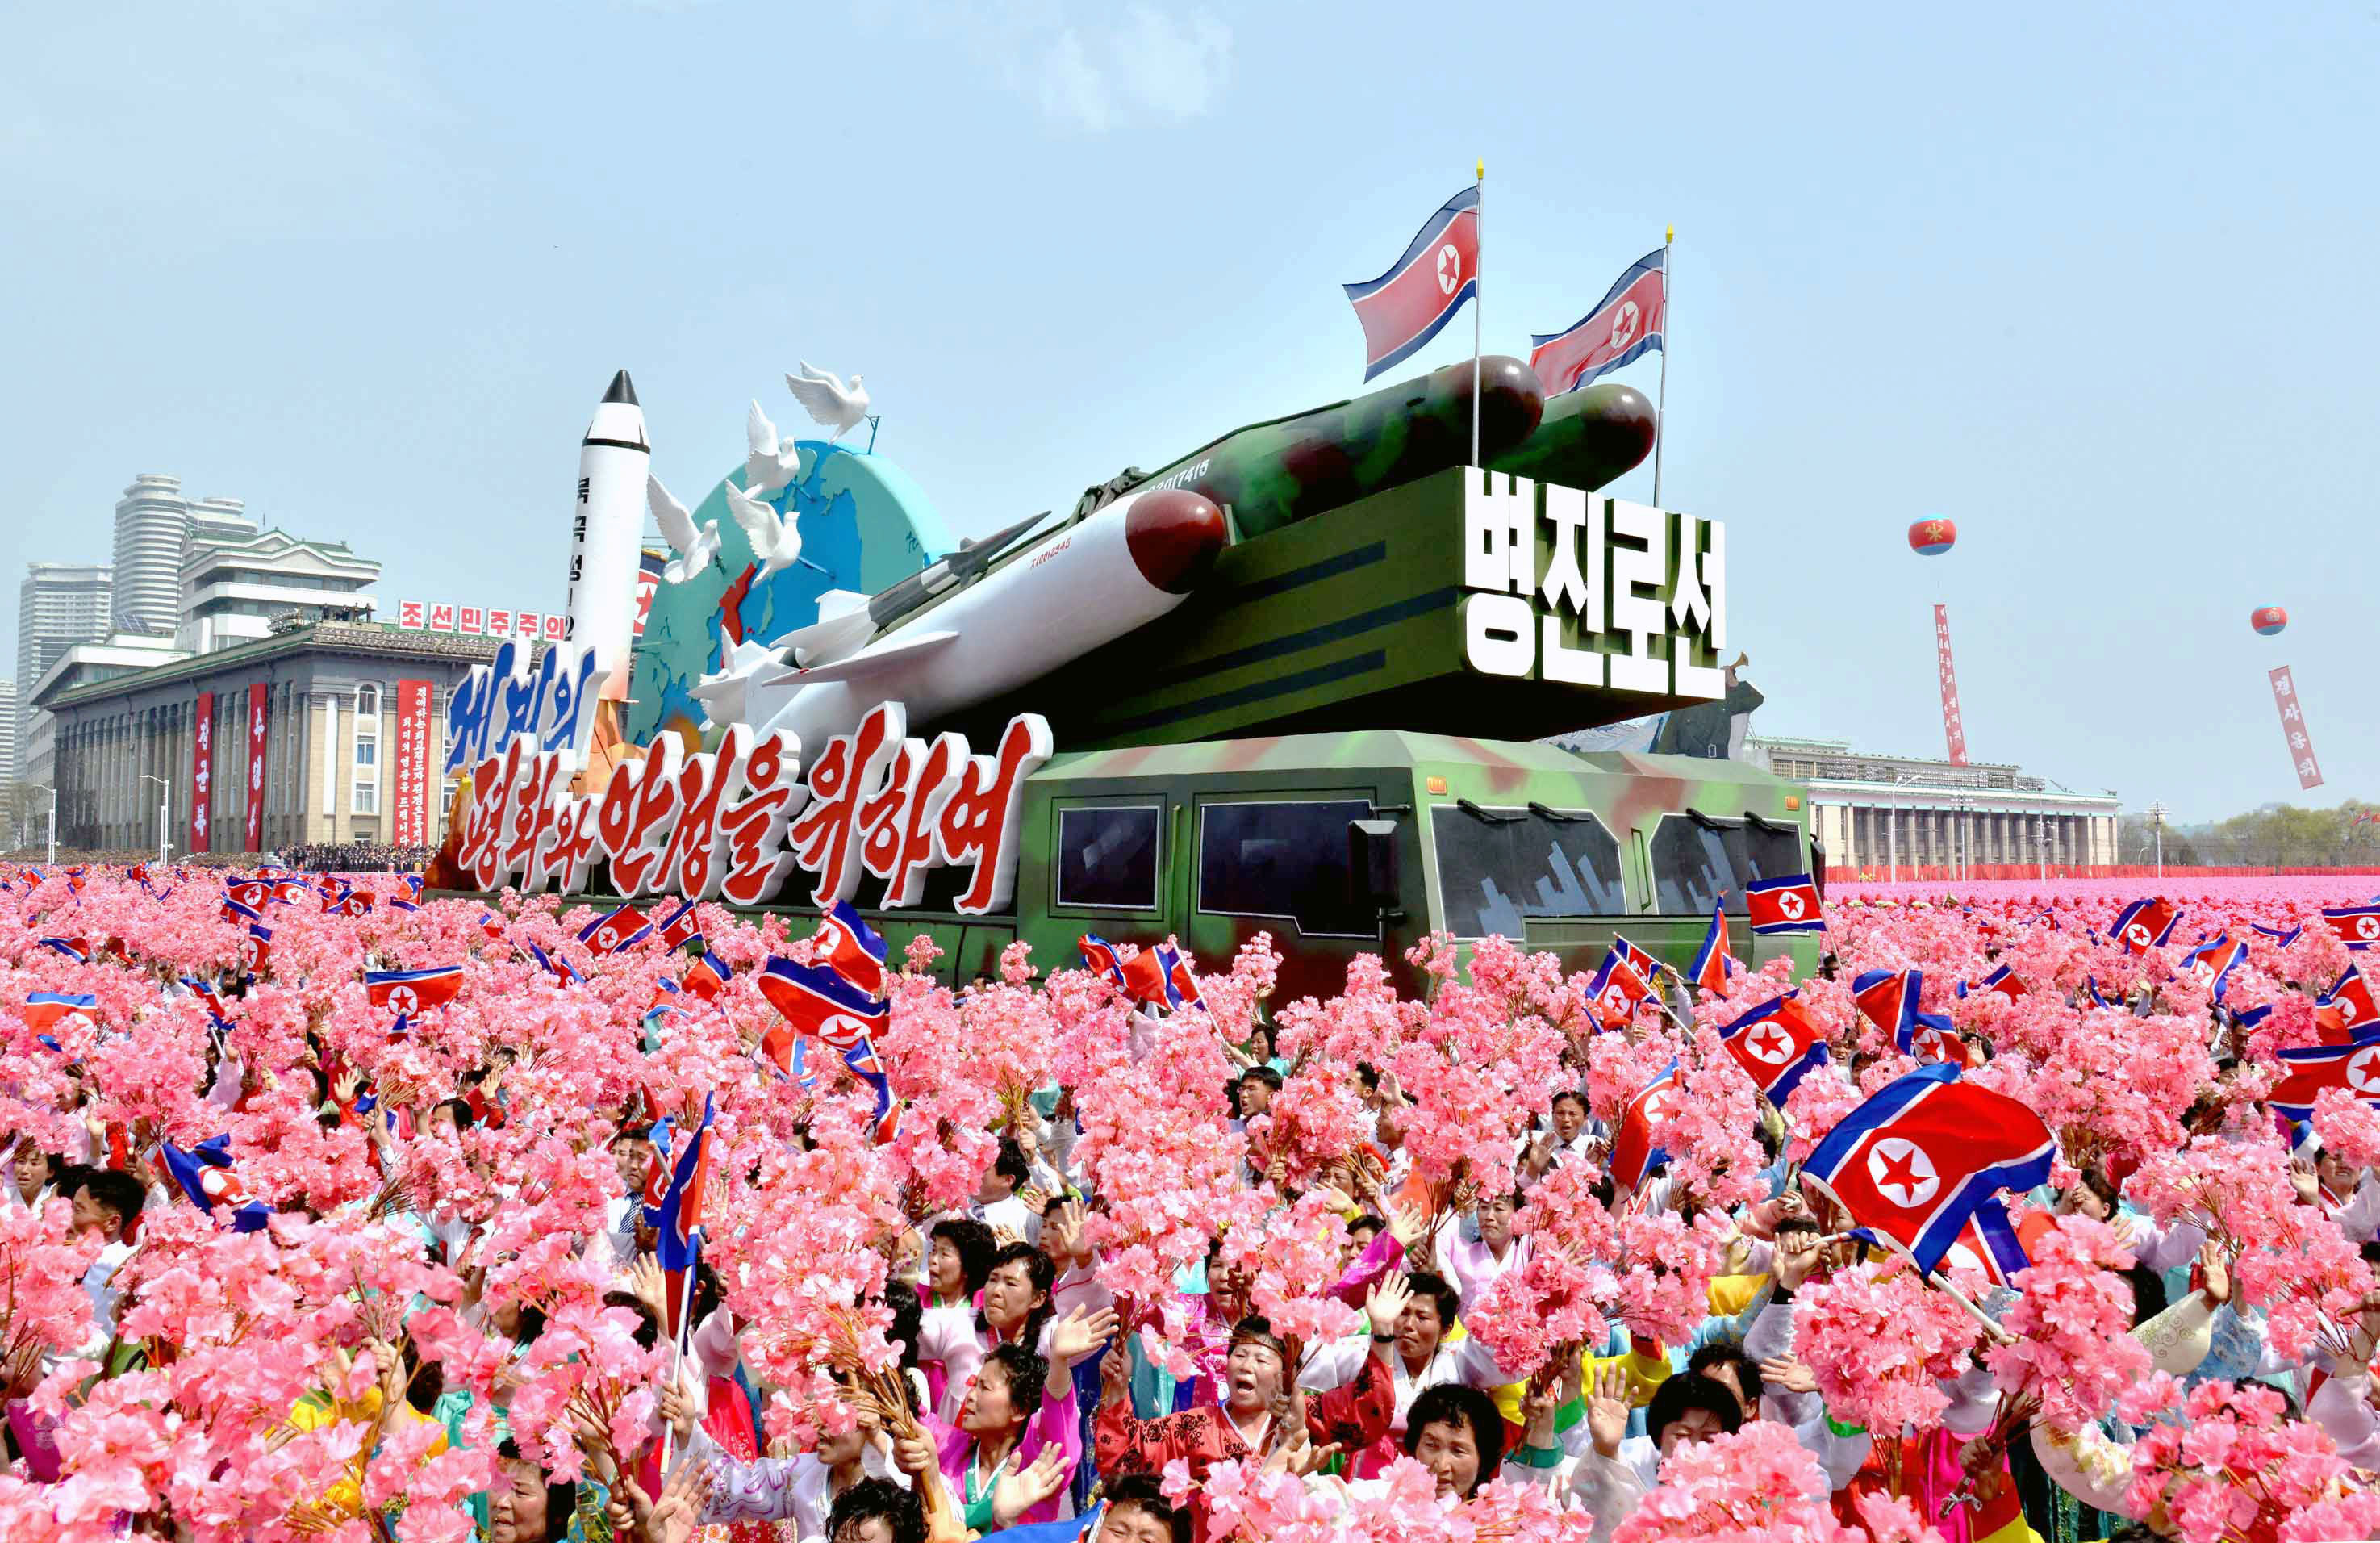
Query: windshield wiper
x=1486, y=817
x=1542, y=812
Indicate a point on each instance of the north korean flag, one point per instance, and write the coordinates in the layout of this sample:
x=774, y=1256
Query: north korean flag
x=621, y=927
x=348, y=902
x=2005, y=982
x=204, y=1174
x=408, y=992
x=1618, y=989
x=287, y=892
x=1144, y=980
x=862, y=1059
x=238, y=911
x=2357, y=926
x=1785, y=904
x=2284, y=937
x=2354, y=1067
x=677, y=1218
x=819, y=1000
x=46, y=1011
x=853, y=949
x=1099, y=957
x=250, y=893
x=2212, y=963
x=1712, y=961
x=1636, y=1144
x=708, y=976
x=205, y=994
x=256, y=949
x=1624, y=325
x=1647, y=968
x=2351, y=997
x=679, y=928
x=1777, y=1045
x=1914, y=1161
x=491, y=925
x=1995, y=1245
x=562, y=969
x=1404, y=308
x=2146, y=924
x=1888, y=1000
x=1181, y=985
x=76, y=949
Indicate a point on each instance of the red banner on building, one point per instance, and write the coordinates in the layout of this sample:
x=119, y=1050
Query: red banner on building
x=255, y=768
x=410, y=822
x=1953, y=728
x=202, y=769
x=2293, y=729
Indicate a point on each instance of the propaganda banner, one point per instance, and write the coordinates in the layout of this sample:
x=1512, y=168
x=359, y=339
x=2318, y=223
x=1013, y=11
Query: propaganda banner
x=255, y=832
x=1954, y=729
x=202, y=769
x=410, y=822
x=2293, y=729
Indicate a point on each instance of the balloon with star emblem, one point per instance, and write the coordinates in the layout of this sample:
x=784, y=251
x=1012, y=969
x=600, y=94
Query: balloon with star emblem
x=1932, y=537
x=2269, y=620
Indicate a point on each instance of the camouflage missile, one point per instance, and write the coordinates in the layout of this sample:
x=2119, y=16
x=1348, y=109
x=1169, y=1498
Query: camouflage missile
x=1277, y=473
x=1585, y=439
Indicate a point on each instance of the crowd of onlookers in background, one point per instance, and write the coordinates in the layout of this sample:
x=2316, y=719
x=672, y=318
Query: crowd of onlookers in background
x=342, y=856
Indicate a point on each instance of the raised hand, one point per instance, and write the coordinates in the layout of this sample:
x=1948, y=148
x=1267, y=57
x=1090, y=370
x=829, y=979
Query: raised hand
x=678, y=1408
x=1386, y=1304
x=1014, y=1494
x=1606, y=1410
x=1797, y=1255
x=2214, y=1269
x=1784, y=1371
x=1080, y=1332
x=645, y=1277
x=1408, y=1224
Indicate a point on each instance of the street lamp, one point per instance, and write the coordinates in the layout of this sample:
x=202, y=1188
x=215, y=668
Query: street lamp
x=164, y=794
x=54, y=824
x=2156, y=823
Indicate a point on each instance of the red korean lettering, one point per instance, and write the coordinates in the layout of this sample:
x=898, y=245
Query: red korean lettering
x=633, y=823
x=850, y=772
x=901, y=849
x=481, y=850
x=532, y=813
x=691, y=866
x=981, y=820
x=881, y=812
x=568, y=848
x=753, y=828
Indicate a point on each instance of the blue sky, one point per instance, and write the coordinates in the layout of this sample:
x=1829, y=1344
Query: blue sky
x=2096, y=286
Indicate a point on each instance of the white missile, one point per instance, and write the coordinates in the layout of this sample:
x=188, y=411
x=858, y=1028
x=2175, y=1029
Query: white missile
x=606, y=533
x=1082, y=585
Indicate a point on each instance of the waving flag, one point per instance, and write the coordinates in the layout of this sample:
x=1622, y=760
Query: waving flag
x=1997, y=1245
x=1618, y=989
x=2354, y=1067
x=1636, y=1144
x=1914, y=1161
x=676, y=1216
x=854, y=950
x=1404, y=308
x=206, y=993
x=287, y=892
x=1624, y=325
x=621, y=927
x=2284, y=937
x=1712, y=961
x=861, y=1059
x=1181, y=985
x=2146, y=924
x=1786, y=905
x=407, y=993
x=1888, y=1000
x=205, y=1176
x=76, y=949
x=491, y=925
x=1100, y=957
x=562, y=969
x=349, y=903
x=2351, y=998
x=819, y=1000
x=2213, y=962
x=250, y=893
x=256, y=949
x=2358, y=926
x=1777, y=1045
x=1141, y=977
x=46, y=1011
x=2005, y=982
x=411, y=882
x=708, y=976
x=679, y=928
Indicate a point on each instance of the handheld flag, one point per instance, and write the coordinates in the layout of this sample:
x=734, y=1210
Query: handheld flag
x=256, y=949
x=2284, y=937
x=707, y=977
x=861, y=1058
x=854, y=950
x=1712, y=961
x=46, y=1011
x=1628, y=322
x=76, y=949
x=1777, y=1045
x=1636, y=1144
x=407, y=992
x=1100, y=957
x=679, y=928
x=2146, y=924
x=206, y=993
x=287, y=892
x=2351, y=996
x=2354, y=1067
x=1618, y=989
x=2005, y=982
x=348, y=902
x=1784, y=904
x=621, y=927
x=1181, y=986
x=816, y=1000
x=1914, y=1161
x=1888, y=1000
x=2212, y=963
x=562, y=969
x=491, y=925
x=1404, y=308
x=250, y=893
x=205, y=1176
x=236, y=911
x=678, y=1216
x=2358, y=926
x=1997, y=1244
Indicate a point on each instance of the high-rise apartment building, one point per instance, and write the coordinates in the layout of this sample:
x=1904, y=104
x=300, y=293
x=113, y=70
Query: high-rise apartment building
x=58, y=605
x=155, y=526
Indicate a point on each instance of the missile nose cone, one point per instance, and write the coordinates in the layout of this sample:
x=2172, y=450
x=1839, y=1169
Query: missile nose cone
x=621, y=390
x=1173, y=537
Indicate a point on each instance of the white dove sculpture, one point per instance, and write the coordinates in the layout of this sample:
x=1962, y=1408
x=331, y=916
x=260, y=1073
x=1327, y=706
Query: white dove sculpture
x=828, y=400
x=696, y=548
x=775, y=541
x=768, y=464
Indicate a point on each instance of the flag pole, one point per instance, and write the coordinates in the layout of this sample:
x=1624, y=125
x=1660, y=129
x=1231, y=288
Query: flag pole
x=1479, y=176
x=1661, y=403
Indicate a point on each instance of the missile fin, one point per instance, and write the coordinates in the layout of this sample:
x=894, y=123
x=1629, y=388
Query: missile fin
x=893, y=651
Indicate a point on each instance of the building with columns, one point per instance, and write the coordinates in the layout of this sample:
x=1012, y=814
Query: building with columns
x=331, y=757
x=1878, y=814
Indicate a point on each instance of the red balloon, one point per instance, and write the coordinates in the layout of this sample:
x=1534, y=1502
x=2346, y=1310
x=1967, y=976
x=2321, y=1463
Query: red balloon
x=1932, y=537
x=2269, y=620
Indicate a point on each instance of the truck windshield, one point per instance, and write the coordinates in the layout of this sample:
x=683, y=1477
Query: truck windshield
x=1285, y=858
x=1695, y=859
x=1496, y=867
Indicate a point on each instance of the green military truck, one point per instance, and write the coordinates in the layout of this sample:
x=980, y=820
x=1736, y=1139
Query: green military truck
x=1367, y=841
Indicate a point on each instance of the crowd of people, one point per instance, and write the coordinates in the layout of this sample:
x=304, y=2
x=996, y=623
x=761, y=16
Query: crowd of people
x=2024, y=1214
x=357, y=857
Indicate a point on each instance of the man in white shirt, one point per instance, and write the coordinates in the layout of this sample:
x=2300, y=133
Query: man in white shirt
x=106, y=1204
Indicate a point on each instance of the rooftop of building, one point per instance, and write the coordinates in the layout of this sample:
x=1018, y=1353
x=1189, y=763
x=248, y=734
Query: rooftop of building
x=374, y=639
x=1834, y=761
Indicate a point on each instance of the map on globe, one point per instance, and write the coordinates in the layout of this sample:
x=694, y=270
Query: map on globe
x=864, y=526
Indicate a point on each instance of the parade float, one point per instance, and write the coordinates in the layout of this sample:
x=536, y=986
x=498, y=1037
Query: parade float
x=1297, y=681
